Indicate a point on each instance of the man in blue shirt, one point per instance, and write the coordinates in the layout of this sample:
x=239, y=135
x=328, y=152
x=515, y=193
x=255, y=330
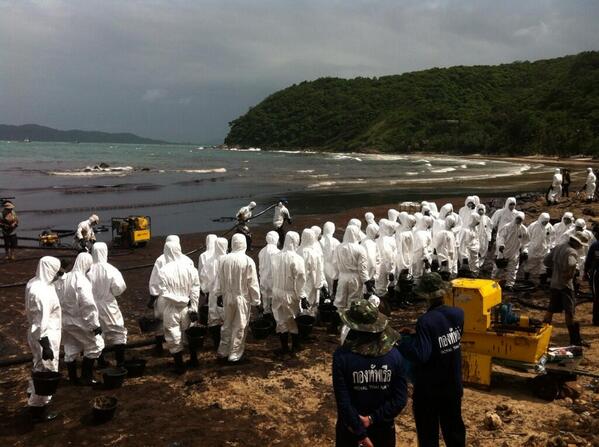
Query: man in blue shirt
x=434, y=350
x=368, y=379
x=591, y=272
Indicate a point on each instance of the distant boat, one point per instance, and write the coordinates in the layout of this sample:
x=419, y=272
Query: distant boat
x=26, y=140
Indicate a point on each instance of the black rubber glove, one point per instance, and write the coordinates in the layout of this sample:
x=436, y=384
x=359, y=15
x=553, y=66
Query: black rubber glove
x=369, y=287
x=445, y=263
x=324, y=293
x=427, y=265
x=47, y=353
x=501, y=249
x=193, y=316
x=523, y=256
x=465, y=261
x=335, y=284
x=391, y=277
x=97, y=331
x=219, y=301
x=304, y=303
x=151, y=301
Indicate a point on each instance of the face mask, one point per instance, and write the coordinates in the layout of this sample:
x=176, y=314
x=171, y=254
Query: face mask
x=512, y=206
x=471, y=206
x=481, y=212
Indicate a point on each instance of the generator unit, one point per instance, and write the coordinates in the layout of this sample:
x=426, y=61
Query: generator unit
x=492, y=331
x=131, y=231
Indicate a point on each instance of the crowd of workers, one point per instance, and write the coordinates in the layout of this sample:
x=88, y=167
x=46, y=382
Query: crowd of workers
x=296, y=274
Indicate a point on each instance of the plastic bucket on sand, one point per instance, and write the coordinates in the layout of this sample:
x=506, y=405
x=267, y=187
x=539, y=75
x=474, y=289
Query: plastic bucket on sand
x=305, y=323
x=261, y=328
x=326, y=312
x=113, y=377
x=195, y=336
x=148, y=324
x=135, y=367
x=45, y=382
x=103, y=408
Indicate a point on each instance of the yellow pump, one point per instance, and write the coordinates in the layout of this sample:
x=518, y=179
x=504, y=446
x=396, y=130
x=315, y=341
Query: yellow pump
x=487, y=336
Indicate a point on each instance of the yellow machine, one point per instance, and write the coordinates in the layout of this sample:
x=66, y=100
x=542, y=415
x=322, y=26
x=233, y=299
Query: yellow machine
x=132, y=231
x=492, y=330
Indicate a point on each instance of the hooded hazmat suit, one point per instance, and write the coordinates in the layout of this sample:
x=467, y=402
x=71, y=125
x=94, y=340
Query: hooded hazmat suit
x=484, y=231
x=209, y=280
x=310, y=251
x=329, y=244
x=107, y=283
x=466, y=211
x=180, y=291
x=562, y=227
x=590, y=184
x=289, y=280
x=369, y=218
x=154, y=283
x=511, y=240
x=422, y=249
x=439, y=224
x=44, y=318
x=208, y=253
x=387, y=248
x=505, y=215
x=372, y=253
x=404, y=242
x=541, y=235
x=444, y=243
x=317, y=233
x=265, y=258
x=238, y=285
x=469, y=244
x=351, y=268
x=79, y=313
x=555, y=193
x=358, y=223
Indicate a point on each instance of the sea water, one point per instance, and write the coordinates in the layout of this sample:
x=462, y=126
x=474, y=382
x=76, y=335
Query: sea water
x=190, y=188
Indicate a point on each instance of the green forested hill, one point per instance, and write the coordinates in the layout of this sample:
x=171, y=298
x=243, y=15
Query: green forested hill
x=549, y=107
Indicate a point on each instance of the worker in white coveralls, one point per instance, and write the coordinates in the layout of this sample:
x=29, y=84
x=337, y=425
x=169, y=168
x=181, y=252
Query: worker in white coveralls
x=107, y=284
x=81, y=330
x=289, y=279
x=180, y=291
x=44, y=318
x=237, y=291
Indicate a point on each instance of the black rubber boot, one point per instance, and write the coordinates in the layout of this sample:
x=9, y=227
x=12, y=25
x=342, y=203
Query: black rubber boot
x=295, y=343
x=41, y=414
x=158, y=349
x=179, y=365
x=72, y=369
x=575, y=338
x=215, y=335
x=193, y=359
x=526, y=276
x=87, y=372
x=284, y=349
x=119, y=354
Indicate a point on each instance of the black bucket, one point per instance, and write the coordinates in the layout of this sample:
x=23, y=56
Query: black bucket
x=204, y=314
x=148, y=324
x=305, y=323
x=326, y=312
x=113, y=377
x=103, y=408
x=195, y=336
x=135, y=367
x=45, y=382
x=261, y=328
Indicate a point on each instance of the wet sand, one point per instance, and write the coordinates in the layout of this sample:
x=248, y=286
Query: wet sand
x=266, y=401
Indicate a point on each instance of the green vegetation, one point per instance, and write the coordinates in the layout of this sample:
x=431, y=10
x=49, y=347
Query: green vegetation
x=545, y=107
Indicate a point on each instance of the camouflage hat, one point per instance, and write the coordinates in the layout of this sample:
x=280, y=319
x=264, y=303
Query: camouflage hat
x=432, y=286
x=364, y=317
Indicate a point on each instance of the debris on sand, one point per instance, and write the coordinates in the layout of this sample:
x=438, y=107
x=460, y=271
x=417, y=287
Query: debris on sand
x=492, y=421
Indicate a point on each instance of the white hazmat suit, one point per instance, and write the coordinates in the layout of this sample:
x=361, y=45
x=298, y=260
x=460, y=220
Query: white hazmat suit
x=351, y=266
x=44, y=318
x=387, y=248
x=372, y=253
x=404, y=250
x=238, y=285
x=310, y=251
x=541, y=235
x=484, y=231
x=444, y=243
x=590, y=184
x=107, y=283
x=209, y=280
x=329, y=244
x=562, y=227
x=511, y=240
x=469, y=244
x=265, y=258
x=79, y=313
x=505, y=215
x=555, y=192
x=422, y=248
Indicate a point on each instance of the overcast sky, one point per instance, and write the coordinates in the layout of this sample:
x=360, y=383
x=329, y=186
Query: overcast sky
x=180, y=70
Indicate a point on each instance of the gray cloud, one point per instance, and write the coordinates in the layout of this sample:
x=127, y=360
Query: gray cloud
x=182, y=69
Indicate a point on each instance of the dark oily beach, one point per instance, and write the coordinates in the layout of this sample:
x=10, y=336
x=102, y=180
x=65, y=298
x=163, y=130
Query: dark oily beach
x=275, y=402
